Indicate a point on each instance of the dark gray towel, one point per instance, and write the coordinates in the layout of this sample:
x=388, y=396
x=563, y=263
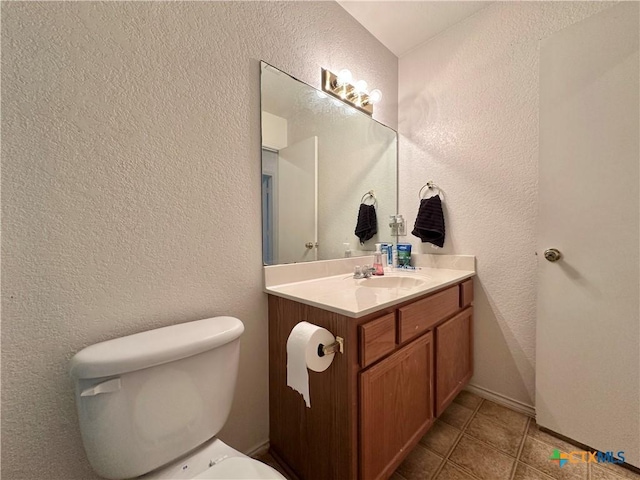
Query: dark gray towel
x=367, y=225
x=429, y=226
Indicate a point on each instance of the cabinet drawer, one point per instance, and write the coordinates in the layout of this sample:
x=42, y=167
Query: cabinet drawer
x=377, y=338
x=420, y=316
x=466, y=293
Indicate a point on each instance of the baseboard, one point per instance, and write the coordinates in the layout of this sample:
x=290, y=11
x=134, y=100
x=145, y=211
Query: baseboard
x=500, y=399
x=258, y=450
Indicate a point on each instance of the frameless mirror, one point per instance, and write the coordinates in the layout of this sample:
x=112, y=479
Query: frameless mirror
x=320, y=160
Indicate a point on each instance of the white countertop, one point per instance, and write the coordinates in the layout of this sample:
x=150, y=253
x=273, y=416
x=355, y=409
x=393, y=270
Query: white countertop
x=351, y=297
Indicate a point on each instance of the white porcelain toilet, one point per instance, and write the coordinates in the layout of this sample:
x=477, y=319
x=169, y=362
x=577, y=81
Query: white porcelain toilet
x=151, y=403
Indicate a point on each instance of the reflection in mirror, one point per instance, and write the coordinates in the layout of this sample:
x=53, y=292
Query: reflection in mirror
x=320, y=157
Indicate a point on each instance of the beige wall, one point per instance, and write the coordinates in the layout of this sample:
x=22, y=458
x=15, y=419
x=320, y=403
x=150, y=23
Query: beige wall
x=131, y=189
x=468, y=119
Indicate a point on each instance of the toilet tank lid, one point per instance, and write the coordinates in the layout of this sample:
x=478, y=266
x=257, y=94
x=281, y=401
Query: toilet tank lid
x=154, y=347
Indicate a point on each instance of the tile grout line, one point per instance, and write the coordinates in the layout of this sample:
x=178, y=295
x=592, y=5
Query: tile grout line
x=446, y=456
x=495, y=447
x=520, y=449
x=540, y=472
x=531, y=424
x=529, y=433
x=515, y=457
x=455, y=444
x=492, y=446
x=549, y=443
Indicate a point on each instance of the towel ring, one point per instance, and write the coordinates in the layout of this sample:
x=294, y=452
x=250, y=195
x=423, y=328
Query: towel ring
x=430, y=186
x=367, y=195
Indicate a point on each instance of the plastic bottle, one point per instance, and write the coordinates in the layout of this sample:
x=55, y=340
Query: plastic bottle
x=347, y=250
x=386, y=254
x=377, y=261
x=394, y=257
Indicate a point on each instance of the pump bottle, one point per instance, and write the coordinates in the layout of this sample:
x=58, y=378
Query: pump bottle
x=377, y=261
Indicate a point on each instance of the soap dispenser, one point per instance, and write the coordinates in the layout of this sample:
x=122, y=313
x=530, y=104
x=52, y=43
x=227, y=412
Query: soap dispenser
x=377, y=261
x=347, y=250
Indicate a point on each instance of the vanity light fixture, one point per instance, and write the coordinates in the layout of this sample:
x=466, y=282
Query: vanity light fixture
x=356, y=94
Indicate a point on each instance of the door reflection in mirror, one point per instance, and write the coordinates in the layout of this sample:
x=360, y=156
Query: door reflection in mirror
x=320, y=156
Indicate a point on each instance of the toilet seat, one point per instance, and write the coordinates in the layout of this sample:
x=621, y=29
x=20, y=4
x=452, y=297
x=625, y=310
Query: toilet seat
x=228, y=463
x=240, y=468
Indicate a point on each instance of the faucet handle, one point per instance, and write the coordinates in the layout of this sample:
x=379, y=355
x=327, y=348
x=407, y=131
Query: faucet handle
x=363, y=272
x=367, y=271
x=357, y=272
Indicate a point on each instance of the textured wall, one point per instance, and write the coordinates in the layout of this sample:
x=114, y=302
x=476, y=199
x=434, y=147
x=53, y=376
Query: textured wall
x=131, y=189
x=468, y=119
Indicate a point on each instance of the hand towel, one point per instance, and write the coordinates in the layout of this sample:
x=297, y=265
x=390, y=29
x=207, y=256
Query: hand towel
x=367, y=225
x=429, y=226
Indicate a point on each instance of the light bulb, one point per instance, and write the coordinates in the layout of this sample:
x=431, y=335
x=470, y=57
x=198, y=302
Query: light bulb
x=361, y=86
x=375, y=96
x=344, y=77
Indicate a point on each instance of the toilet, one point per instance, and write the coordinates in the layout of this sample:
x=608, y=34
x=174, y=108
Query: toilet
x=151, y=404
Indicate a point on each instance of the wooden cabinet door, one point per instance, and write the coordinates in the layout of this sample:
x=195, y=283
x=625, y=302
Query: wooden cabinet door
x=396, y=407
x=454, y=357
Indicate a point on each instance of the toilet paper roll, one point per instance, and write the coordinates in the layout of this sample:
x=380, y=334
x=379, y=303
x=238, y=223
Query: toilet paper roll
x=302, y=353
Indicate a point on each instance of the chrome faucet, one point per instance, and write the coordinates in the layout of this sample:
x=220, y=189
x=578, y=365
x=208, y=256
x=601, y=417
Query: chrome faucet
x=363, y=272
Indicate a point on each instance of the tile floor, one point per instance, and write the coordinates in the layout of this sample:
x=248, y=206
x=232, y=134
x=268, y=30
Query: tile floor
x=476, y=439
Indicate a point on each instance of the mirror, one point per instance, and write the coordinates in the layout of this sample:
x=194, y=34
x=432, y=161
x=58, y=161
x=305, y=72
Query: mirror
x=320, y=158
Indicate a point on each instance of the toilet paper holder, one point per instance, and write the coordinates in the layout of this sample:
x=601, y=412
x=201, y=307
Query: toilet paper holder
x=337, y=346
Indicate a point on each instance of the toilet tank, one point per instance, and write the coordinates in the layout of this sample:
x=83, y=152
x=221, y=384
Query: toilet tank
x=146, y=399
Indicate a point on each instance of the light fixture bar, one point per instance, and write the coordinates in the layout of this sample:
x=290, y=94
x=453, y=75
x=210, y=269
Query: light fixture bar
x=347, y=92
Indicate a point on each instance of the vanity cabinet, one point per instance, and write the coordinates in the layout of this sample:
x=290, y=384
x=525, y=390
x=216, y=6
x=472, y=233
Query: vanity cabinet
x=401, y=367
x=395, y=406
x=454, y=358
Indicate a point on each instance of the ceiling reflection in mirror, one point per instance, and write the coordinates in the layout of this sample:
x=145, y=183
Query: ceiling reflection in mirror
x=320, y=160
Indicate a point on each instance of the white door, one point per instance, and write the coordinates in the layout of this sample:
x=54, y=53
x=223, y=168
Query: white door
x=298, y=202
x=588, y=333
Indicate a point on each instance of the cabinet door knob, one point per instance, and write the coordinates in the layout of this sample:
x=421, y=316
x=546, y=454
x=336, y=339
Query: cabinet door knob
x=552, y=254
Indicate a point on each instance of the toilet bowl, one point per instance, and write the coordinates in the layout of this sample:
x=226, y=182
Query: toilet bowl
x=151, y=404
x=214, y=460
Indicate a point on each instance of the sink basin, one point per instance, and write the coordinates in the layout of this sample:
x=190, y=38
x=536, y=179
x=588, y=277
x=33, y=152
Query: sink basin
x=406, y=283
